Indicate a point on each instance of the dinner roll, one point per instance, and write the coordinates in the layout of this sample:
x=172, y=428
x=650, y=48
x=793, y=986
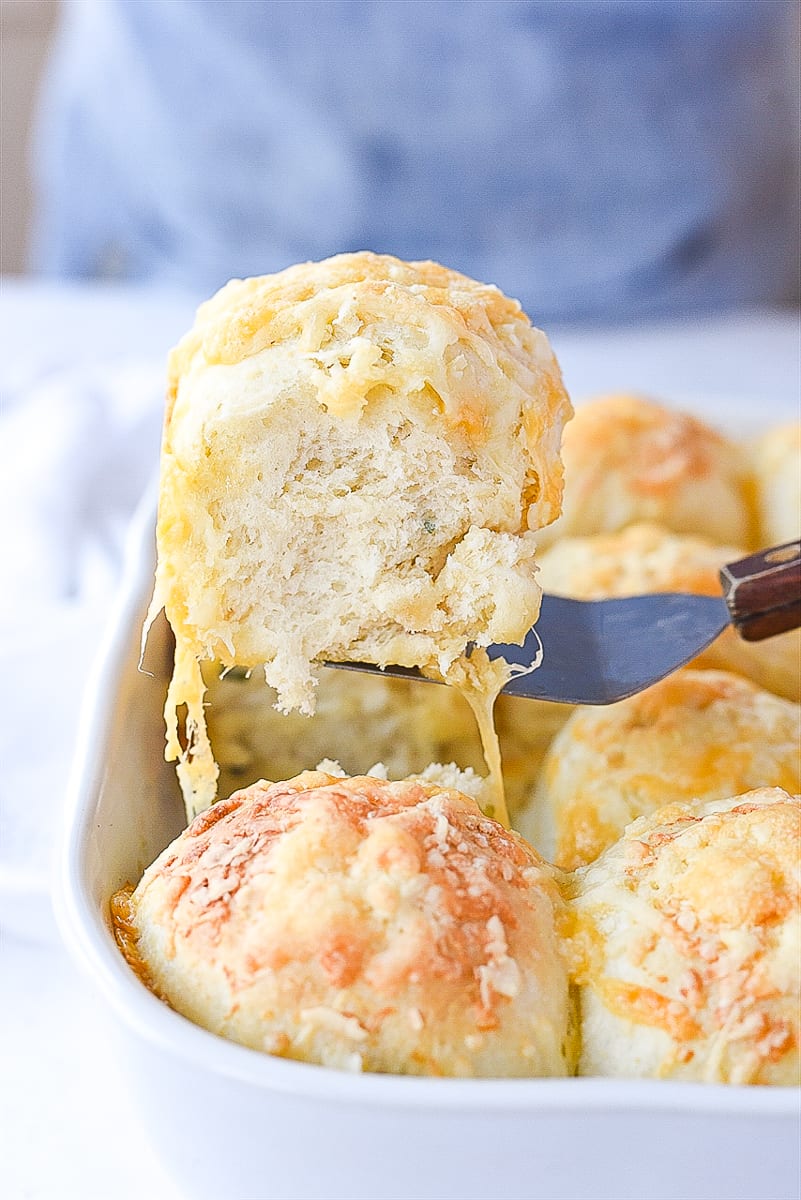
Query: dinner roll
x=697, y=734
x=360, y=924
x=355, y=455
x=777, y=479
x=646, y=557
x=628, y=458
x=686, y=944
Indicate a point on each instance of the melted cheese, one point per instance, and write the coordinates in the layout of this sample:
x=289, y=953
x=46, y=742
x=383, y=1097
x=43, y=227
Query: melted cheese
x=480, y=680
x=477, y=678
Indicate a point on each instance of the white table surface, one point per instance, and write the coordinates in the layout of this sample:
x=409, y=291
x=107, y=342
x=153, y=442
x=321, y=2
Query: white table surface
x=67, y=1127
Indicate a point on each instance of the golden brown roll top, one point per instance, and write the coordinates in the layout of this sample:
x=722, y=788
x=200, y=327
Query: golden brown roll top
x=628, y=458
x=360, y=924
x=686, y=944
x=777, y=484
x=696, y=735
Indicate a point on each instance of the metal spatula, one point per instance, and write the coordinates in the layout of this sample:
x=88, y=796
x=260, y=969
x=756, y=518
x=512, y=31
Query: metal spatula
x=600, y=651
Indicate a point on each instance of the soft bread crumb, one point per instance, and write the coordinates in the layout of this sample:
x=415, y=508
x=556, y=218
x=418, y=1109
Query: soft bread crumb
x=362, y=719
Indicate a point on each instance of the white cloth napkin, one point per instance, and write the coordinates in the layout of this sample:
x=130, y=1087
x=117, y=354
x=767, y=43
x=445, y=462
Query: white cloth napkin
x=77, y=448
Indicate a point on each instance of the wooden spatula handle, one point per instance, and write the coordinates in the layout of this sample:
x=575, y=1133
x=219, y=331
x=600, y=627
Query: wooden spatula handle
x=763, y=591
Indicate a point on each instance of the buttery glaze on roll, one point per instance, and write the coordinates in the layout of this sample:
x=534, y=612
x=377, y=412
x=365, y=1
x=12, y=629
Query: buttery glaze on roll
x=356, y=454
x=359, y=924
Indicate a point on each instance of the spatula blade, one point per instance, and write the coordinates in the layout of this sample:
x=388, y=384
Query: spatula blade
x=600, y=651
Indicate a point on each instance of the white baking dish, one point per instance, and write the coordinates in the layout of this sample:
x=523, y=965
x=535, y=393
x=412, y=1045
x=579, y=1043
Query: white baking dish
x=232, y=1124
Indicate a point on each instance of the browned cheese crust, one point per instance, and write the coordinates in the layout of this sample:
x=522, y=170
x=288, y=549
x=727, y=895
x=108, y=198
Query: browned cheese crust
x=687, y=944
x=361, y=924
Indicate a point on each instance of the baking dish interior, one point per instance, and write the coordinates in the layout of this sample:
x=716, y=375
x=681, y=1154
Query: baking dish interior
x=124, y=807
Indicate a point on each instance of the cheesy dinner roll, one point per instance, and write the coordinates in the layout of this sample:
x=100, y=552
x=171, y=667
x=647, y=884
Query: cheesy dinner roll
x=697, y=735
x=777, y=480
x=628, y=458
x=650, y=558
x=356, y=454
x=686, y=943
x=359, y=924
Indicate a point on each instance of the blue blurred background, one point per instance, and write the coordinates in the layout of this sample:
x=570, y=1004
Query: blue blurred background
x=622, y=167
x=595, y=158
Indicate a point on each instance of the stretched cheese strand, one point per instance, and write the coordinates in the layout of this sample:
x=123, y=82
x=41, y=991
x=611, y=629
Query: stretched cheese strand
x=480, y=680
x=197, y=769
